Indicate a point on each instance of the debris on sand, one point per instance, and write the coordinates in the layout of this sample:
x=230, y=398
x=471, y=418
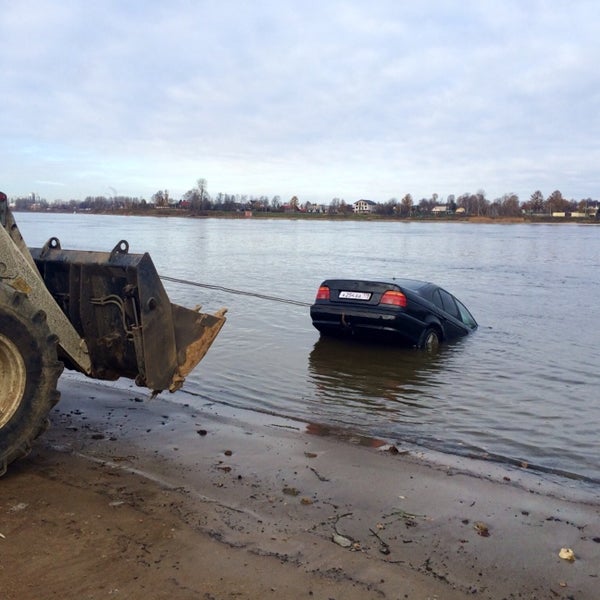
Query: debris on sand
x=567, y=554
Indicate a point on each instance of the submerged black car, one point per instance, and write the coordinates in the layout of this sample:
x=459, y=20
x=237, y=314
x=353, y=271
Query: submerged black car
x=407, y=311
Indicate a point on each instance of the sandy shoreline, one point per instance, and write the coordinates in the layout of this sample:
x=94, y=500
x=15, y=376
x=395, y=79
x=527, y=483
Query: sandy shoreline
x=156, y=499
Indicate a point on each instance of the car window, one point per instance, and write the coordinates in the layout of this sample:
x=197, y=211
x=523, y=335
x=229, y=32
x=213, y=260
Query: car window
x=448, y=304
x=465, y=316
x=437, y=300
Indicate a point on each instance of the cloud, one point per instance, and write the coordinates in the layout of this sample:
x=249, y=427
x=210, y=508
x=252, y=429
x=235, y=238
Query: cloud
x=345, y=99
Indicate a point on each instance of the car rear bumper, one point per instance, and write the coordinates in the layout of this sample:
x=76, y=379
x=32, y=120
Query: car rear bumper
x=396, y=326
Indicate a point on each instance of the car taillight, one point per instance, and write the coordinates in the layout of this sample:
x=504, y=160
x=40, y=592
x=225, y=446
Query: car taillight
x=394, y=298
x=323, y=293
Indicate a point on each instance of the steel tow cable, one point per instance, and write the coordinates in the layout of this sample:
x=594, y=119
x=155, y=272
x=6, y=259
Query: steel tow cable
x=234, y=291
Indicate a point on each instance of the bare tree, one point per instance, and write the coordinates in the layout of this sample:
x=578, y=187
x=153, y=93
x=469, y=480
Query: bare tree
x=406, y=205
x=276, y=203
x=161, y=198
x=198, y=197
x=510, y=206
x=556, y=203
x=387, y=208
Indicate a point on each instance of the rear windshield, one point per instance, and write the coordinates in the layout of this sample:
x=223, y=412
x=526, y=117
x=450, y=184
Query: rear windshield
x=411, y=284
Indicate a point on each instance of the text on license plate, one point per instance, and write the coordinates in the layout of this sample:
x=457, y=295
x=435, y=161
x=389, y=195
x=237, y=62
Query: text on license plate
x=355, y=295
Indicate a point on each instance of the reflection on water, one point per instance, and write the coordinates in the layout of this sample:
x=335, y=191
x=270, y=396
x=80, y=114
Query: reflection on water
x=381, y=377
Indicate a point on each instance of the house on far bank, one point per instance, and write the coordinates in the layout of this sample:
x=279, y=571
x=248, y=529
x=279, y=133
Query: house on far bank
x=572, y=214
x=440, y=209
x=363, y=207
x=312, y=207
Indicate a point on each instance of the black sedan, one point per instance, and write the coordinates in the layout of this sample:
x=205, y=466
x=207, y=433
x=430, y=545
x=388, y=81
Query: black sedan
x=407, y=311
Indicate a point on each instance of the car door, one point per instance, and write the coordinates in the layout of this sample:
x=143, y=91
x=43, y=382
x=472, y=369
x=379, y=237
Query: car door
x=453, y=324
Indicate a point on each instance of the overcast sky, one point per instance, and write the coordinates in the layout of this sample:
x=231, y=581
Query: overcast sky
x=319, y=99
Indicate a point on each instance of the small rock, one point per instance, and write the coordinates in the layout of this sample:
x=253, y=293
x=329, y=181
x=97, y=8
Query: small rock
x=482, y=529
x=342, y=541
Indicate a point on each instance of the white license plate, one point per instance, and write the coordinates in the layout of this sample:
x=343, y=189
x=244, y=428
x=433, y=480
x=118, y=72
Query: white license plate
x=355, y=295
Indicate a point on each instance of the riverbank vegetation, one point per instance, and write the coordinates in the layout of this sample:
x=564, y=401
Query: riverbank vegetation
x=198, y=202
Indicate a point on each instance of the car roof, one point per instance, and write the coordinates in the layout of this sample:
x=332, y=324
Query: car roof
x=411, y=284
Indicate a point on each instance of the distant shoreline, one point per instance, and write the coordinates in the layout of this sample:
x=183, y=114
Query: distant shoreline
x=182, y=213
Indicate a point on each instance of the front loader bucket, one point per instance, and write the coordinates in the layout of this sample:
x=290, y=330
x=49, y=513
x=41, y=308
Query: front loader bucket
x=118, y=305
x=194, y=334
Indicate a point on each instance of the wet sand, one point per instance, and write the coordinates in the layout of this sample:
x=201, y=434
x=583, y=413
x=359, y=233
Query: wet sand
x=127, y=497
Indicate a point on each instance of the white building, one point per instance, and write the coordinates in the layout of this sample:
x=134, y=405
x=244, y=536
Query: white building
x=364, y=206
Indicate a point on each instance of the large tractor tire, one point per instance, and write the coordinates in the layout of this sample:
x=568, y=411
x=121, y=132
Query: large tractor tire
x=29, y=371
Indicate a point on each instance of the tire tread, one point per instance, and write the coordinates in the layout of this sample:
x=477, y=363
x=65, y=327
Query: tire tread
x=27, y=424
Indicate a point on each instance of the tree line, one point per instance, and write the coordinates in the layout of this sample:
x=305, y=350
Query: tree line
x=198, y=201
x=508, y=205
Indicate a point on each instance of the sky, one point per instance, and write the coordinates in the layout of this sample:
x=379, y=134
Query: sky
x=320, y=99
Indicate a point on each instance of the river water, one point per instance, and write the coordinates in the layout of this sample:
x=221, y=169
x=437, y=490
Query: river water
x=522, y=389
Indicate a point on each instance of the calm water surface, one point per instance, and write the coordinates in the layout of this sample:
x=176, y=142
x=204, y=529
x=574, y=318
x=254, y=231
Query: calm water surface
x=524, y=387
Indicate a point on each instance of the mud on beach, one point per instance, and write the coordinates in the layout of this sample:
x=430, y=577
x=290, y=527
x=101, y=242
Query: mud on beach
x=136, y=498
